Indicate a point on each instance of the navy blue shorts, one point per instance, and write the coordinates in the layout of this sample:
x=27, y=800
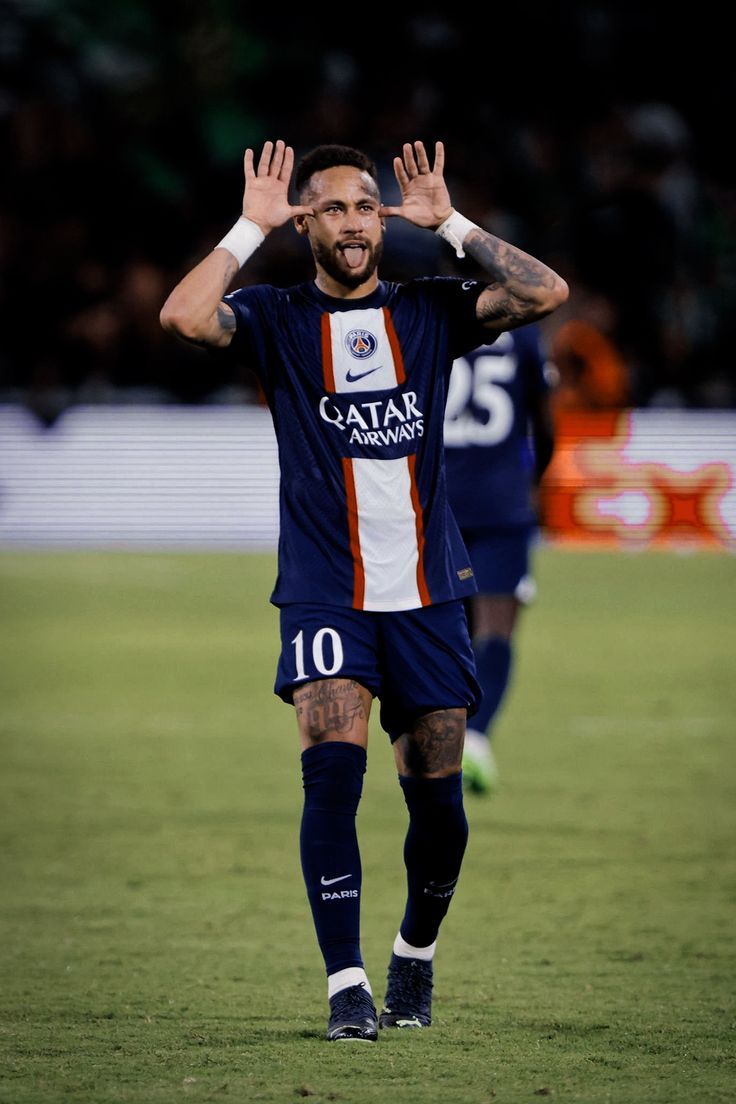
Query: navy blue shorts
x=500, y=559
x=416, y=661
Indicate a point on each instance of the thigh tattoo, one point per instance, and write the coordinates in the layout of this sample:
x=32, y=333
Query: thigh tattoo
x=329, y=706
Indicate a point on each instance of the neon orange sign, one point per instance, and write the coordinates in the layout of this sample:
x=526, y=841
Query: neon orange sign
x=594, y=492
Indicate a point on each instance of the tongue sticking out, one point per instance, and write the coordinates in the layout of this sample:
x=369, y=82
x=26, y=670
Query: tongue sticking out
x=353, y=255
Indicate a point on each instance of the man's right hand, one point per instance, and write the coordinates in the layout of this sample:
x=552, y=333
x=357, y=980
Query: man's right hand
x=195, y=311
x=266, y=195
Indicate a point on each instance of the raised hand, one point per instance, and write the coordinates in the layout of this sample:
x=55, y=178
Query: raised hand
x=266, y=195
x=425, y=200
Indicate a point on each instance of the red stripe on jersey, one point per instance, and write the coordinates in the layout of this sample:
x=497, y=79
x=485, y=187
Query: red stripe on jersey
x=327, y=369
x=352, y=501
x=393, y=341
x=419, y=515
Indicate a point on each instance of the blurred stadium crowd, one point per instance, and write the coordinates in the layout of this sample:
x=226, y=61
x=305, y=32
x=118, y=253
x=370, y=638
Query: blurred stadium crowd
x=576, y=131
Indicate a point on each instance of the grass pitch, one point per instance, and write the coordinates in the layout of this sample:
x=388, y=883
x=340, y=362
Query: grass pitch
x=156, y=944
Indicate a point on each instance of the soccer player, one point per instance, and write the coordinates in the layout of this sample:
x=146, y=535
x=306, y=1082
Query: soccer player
x=372, y=569
x=499, y=439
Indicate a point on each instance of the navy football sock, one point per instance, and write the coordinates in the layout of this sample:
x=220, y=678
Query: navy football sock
x=493, y=667
x=333, y=782
x=433, y=853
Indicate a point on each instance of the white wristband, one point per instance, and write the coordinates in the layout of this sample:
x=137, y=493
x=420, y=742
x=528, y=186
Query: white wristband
x=455, y=230
x=243, y=240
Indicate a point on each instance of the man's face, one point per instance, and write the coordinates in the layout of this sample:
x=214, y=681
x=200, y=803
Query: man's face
x=345, y=232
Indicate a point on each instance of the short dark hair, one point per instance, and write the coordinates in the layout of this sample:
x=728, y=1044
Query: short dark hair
x=329, y=157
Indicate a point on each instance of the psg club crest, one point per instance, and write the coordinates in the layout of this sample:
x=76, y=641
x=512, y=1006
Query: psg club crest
x=360, y=343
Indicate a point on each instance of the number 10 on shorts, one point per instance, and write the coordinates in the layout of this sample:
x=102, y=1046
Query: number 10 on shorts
x=319, y=658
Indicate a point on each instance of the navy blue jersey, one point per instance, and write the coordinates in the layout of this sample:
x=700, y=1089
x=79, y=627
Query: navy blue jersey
x=490, y=463
x=357, y=391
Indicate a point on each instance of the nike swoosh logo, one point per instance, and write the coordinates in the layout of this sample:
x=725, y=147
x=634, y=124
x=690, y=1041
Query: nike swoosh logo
x=331, y=881
x=354, y=379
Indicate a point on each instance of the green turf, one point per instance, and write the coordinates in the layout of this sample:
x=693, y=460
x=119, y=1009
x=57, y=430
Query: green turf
x=156, y=944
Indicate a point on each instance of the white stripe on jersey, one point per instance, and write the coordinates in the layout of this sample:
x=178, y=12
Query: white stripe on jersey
x=375, y=371
x=387, y=528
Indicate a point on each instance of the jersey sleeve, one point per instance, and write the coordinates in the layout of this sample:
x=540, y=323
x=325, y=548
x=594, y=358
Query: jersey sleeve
x=252, y=307
x=458, y=300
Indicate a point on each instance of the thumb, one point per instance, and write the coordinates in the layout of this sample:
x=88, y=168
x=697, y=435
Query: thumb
x=302, y=210
x=387, y=212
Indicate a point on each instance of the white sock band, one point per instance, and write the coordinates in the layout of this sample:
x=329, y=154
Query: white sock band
x=353, y=975
x=243, y=239
x=455, y=230
x=405, y=950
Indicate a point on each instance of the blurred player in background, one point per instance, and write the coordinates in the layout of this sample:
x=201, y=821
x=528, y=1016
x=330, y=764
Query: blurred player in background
x=499, y=439
x=372, y=569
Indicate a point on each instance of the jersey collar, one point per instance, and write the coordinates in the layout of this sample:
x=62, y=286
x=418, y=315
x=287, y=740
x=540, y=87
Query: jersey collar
x=330, y=302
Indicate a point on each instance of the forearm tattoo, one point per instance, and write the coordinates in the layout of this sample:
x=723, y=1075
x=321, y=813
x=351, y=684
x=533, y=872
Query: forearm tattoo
x=329, y=707
x=517, y=276
x=435, y=744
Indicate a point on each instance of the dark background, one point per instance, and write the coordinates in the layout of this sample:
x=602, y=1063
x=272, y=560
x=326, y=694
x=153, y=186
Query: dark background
x=596, y=136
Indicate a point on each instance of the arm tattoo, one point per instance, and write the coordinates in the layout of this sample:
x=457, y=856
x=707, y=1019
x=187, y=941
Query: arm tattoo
x=514, y=272
x=436, y=743
x=226, y=322
x=329, y=706
x=226, y=318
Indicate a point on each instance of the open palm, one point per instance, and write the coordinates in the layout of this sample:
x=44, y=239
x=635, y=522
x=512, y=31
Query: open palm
x=425, y=200
x=266, y=196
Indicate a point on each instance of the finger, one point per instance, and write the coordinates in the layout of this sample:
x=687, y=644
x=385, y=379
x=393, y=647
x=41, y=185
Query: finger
x=288, y=164
x=439, y=158
x=265, y=160
x=248, y=162
x=278, y=158
x=422, y=159
x=409, y=160
x=400, y=173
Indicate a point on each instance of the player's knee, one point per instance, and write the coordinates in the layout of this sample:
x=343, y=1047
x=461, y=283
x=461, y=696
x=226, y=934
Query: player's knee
x=434, y=747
